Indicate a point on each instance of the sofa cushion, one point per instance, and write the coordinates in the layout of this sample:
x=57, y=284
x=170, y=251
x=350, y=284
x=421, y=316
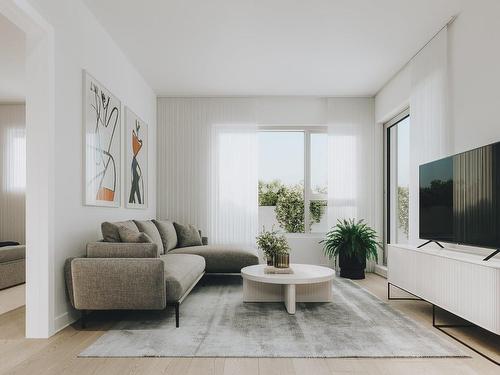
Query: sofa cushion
x=122, y=250
x=222, y=259
x=187, y=235
x=130, y=236
x=148, y=227
x=110, y=230
x=10, y=253
x=181, y=272
x=167, y=233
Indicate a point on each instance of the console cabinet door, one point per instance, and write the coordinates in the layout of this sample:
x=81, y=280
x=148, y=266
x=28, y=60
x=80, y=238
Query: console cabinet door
x=402, y=268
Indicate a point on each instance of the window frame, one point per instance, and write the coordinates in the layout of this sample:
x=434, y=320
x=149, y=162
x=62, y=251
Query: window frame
x=390, y=175
x=309, y=196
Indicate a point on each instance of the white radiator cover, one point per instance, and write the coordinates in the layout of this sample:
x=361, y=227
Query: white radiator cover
x=460, y=283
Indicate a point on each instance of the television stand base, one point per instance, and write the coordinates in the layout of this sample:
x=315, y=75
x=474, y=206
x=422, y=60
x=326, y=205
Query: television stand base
x=428, y=242
x=491, y=255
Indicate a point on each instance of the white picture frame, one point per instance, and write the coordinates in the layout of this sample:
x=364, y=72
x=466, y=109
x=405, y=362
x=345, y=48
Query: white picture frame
x=136, y=161
x=102, y=115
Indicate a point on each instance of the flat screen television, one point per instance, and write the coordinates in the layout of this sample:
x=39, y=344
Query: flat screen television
x=460, y=198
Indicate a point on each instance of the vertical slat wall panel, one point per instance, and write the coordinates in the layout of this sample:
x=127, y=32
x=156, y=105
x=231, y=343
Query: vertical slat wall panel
x=12, y=172
x=184, y=149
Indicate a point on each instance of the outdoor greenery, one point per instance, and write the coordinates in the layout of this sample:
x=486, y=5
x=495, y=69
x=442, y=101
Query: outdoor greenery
x=289, y=205
x=268, y=192
x=272, y=243
x=351, y=238
x=403, y=208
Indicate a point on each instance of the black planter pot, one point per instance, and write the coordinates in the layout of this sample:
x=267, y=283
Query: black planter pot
x=351, y=267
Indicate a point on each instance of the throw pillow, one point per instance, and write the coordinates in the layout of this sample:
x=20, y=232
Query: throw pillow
x=167, y=233
x=110, y=230
x=187, y=235
x=148, y=227
x=130, y=236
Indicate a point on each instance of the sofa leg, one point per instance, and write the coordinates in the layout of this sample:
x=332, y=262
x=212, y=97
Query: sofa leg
x=177, y=315
x=83, y=319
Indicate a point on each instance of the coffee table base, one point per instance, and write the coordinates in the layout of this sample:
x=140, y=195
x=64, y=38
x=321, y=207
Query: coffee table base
x=254, y=291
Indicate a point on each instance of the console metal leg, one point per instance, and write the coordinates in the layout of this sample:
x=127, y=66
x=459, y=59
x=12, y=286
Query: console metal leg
x=400, y=298
x=441, y=326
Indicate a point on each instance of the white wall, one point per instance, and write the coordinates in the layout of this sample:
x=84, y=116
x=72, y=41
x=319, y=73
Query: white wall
x=82, y=43
x=291, y=110
x=12, y=172
x=473, y=74
x=474, y=71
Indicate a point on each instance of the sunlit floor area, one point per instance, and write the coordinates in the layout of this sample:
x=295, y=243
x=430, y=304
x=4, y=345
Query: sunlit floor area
x=12, y=298
x=58, y=355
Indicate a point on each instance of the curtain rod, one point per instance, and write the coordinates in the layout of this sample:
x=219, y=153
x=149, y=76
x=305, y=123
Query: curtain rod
x=450, y=21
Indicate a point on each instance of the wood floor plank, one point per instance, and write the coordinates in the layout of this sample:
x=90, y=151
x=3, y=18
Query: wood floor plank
x=276, y=366
x=316, y=366
x=178, y=366
x=351, y=366
x=12, y=298
x=219, y=365
x=241, y=366
x=201, y=366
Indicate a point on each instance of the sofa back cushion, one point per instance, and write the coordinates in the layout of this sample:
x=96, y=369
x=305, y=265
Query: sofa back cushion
x=148, y=227
x=131, y=236
x=187, y=235
x=110, y=230
x=167, y=233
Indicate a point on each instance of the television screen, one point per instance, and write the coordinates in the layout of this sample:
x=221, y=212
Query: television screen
x=460, y=198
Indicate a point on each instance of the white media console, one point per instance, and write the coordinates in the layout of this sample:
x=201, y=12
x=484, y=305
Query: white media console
x=460, y=283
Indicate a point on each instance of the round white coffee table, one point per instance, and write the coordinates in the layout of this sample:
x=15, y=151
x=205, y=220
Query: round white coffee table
x=307, y=283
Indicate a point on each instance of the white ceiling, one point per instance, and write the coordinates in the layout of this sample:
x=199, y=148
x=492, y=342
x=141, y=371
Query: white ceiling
x=12, y=59
x=271, y=47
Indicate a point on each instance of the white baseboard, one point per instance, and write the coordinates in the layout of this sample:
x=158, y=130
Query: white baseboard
x=62, y=321
x=380, y=270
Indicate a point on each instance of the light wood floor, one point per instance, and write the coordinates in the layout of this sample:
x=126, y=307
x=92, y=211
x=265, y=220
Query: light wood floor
x=12, y=298
x=58, y=355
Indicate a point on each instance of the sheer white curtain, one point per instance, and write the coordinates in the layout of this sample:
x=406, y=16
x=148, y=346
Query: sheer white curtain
x=430, y=130
x=354, y=163
x=234, y=185
x=352, y=160
x=190, y=170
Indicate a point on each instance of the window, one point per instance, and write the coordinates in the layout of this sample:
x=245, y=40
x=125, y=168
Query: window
x=293, y=179
x=397, y=151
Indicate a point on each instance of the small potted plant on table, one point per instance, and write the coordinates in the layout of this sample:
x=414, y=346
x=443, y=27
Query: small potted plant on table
x=275, y=248
x=353, y=242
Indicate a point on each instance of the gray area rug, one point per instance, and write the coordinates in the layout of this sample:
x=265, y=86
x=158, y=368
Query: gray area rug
x=216, y=323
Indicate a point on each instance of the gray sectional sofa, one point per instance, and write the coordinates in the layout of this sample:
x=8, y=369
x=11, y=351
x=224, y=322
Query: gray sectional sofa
x=158, y=266
x=12, y=265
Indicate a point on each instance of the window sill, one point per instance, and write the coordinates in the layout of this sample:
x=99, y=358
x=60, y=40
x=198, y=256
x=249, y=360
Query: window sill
x=318, y=236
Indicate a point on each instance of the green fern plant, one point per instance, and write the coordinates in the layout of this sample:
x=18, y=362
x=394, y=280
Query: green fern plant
x=354, y=239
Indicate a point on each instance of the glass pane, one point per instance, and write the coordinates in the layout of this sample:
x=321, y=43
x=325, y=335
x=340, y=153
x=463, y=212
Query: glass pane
x=319, y=163
x=281, y=181
x=403, y=177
